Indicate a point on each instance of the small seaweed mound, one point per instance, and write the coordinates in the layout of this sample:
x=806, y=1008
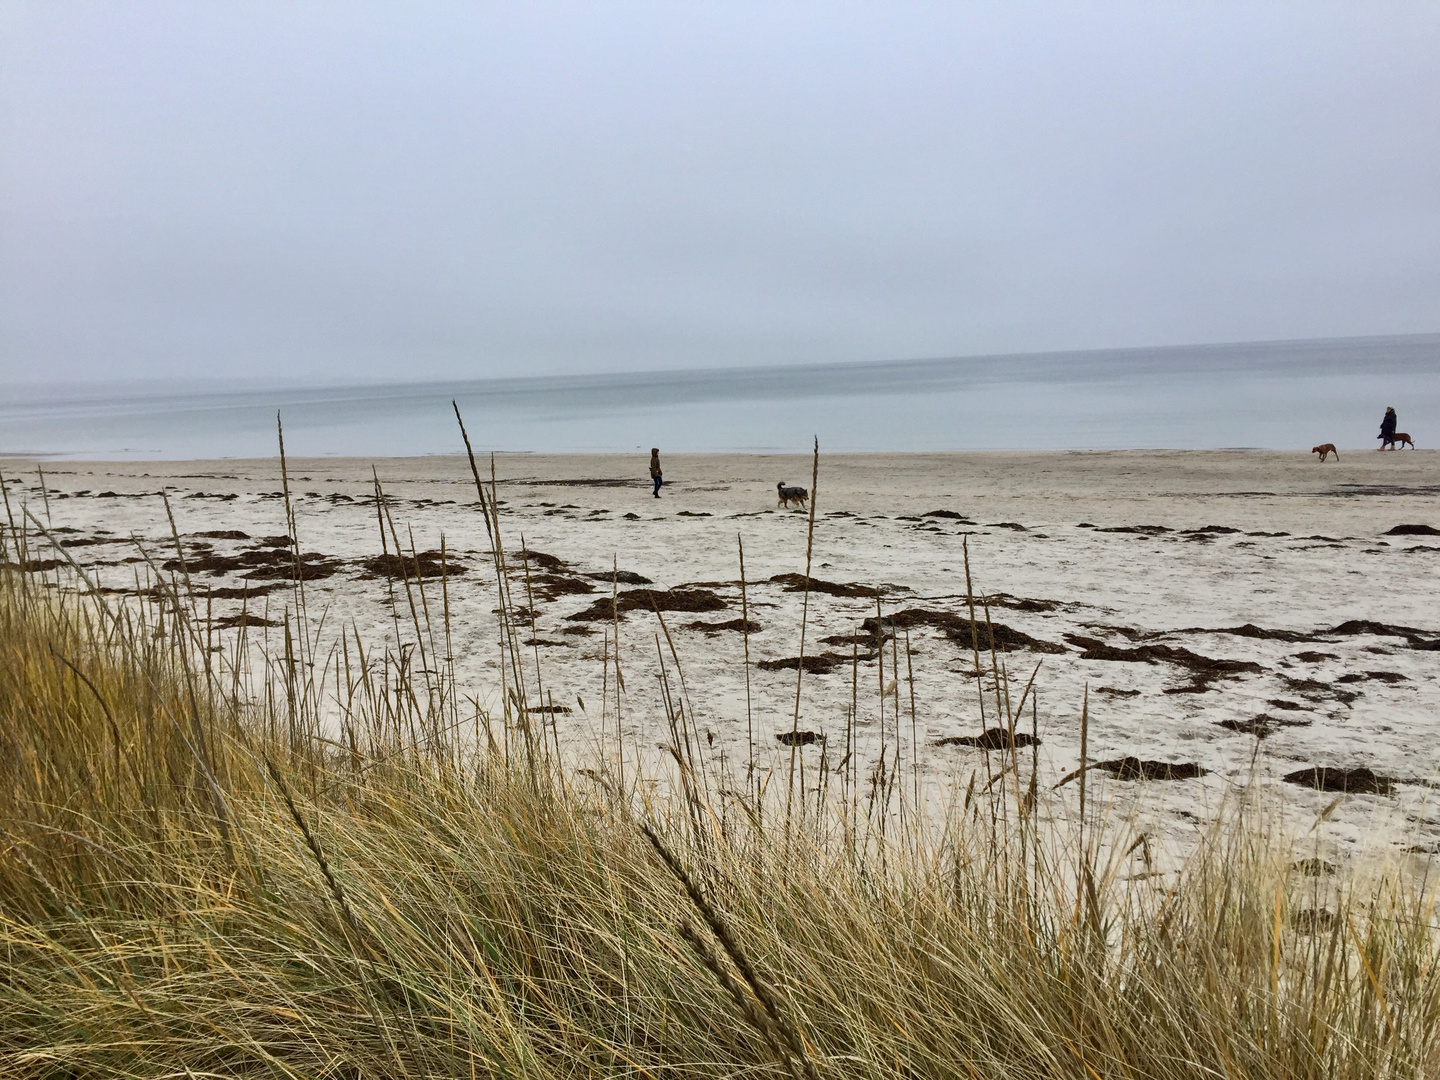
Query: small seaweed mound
x=1250, y=630
x=796, y=583
x=821, y=664
x=426, y=564
x=245, y=618
x=1133, y=768
x=311, y=567
x=677, y=599
x=995, y=738
x=960, y=630
x=1359, y=781
x=1262, y=725
x=230, y=592
x=797, y=738
x=622, y=577
x=267, y=561
x=1413, y=530
x=1202, y=668
x=740, y=626
x=1352, y=627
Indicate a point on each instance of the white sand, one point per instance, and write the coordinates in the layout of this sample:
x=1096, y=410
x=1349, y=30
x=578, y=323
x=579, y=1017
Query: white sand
x=1363, y=699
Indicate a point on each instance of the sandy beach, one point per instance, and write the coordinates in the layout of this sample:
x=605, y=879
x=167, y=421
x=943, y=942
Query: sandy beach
x=1242, y=612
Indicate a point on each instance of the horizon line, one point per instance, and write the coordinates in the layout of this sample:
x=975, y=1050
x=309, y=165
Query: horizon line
x=301, y=383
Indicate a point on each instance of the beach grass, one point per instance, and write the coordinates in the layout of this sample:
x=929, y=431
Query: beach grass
x=335, y=864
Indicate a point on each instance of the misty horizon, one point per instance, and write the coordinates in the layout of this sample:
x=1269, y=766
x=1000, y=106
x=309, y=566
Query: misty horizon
x=1258, y=394
x=147, y=387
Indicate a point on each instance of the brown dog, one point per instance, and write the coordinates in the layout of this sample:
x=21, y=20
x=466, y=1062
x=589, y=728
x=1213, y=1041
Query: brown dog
x=1325, y=448
x=1399, y=437
x=788, y=495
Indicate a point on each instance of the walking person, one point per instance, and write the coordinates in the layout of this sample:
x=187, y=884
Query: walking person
x=1387, y=428
x=655, y=473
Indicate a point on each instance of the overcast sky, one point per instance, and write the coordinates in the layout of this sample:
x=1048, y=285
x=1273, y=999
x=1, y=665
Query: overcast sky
x=337, y=191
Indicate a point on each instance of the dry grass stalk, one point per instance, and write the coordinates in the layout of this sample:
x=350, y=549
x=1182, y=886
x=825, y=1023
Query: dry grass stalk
x=804, y=619
x=751, y=777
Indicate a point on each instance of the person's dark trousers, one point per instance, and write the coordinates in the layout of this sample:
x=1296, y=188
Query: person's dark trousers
x=658, y=482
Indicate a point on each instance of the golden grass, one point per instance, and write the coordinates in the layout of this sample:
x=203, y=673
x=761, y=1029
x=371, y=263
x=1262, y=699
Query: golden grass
x=198, y=879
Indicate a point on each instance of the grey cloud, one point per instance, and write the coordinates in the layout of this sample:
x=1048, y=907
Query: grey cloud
x=442, y=190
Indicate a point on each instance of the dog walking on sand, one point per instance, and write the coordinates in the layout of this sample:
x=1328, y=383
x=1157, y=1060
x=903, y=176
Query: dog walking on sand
x=788, y=495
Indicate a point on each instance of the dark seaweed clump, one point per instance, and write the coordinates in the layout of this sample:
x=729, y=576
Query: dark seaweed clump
x=1250, y=630
x=622, y=577
x=424, y=564
x=960, y=630
x=678, y=599
x=245, y=618
x=1133, y=768
x=240, y=593
x=820, y=664
x=995, y=738
x=1359, y=781
x=1203, y=669
x=737, y=625
x=797, y=738
x=796, y=583
x=1262, y=725
x=269, y=563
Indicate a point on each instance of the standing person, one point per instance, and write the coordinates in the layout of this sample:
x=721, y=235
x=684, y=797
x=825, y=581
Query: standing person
x=655, y=473
x=1387, y=427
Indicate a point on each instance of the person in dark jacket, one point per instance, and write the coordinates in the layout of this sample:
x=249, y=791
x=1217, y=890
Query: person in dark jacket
x=1387, y=426
x=655, y=473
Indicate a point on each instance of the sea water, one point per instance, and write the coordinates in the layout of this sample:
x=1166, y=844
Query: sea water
x=1280, y=395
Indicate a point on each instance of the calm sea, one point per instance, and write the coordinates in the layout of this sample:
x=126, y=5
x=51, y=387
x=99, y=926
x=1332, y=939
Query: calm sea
x=1282, y=395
